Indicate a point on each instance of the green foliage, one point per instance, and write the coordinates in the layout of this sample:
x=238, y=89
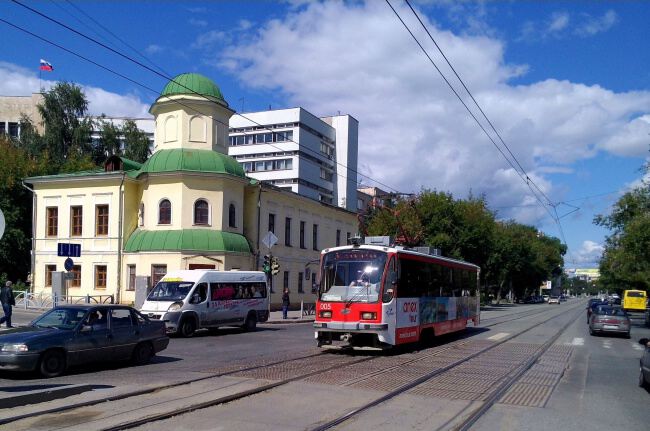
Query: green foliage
x=109, y=142
x=136, y=143
x=511, y=255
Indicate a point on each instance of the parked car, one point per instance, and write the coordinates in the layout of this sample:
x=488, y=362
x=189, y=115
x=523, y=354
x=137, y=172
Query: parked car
x=80, y=334
x=644, y=364
x=546, y=297
x=592, y=304
x=609, y=319
x=554, y=300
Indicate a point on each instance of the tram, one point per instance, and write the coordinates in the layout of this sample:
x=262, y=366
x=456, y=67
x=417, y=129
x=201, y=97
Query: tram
x=377, y=296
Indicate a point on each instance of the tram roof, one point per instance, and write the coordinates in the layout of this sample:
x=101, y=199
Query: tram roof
x=402, y=250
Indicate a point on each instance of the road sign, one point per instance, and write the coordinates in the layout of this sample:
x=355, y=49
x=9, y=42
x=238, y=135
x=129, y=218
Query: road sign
x=2, y=224
x=68, y=264
x=269, y=239
x=68, y=250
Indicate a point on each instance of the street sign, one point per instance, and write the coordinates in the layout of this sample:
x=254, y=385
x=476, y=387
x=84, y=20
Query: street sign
x=269, y=239
x=68, y=264
x=2, y=224
x=68, y=250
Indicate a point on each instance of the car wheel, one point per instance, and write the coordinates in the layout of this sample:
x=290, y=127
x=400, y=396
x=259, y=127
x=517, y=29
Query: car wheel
x=251, y=323
x=591, y=332
x=187, y=328
x=642, y=382
x=52, y=363
x=142, y=354
x=627, y=335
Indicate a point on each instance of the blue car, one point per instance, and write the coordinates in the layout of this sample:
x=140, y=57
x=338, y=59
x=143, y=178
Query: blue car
x=81, y=334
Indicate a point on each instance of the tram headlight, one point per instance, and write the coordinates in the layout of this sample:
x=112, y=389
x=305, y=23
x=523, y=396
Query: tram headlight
x=367, y=315
x=325, y=314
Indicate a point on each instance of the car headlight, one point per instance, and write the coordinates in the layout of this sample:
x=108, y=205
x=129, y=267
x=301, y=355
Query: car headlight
x=175, y=306
x=15, y=348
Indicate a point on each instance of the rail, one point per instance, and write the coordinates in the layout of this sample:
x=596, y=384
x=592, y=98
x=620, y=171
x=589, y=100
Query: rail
x=41, y=301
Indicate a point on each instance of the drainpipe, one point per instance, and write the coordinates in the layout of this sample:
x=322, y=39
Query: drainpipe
x=119, y=241
x=33, y=254
x=259, y=209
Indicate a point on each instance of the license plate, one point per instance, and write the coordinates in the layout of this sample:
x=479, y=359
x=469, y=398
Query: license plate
x=610, y=327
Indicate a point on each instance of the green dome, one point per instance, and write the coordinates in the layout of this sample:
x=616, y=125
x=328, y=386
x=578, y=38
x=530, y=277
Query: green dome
x=193, y=83
x=186, y=159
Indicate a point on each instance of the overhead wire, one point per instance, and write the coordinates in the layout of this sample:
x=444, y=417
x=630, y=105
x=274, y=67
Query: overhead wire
x=171, y=79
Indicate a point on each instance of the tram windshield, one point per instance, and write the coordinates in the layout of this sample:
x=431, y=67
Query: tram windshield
x=352, y=275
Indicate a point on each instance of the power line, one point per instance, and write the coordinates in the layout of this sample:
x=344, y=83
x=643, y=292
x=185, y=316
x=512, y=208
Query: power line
x=169, y=78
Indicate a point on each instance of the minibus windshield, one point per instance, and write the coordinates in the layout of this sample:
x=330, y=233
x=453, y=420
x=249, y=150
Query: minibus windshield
x=170, y=291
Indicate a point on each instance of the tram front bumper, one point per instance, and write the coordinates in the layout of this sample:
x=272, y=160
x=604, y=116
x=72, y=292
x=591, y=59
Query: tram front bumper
x=354, y=326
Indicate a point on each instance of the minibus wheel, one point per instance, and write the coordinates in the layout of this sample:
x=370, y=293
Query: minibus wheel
x=187, y=327
x=251, y=322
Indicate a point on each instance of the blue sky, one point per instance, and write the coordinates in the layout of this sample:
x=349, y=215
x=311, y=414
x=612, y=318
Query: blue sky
x=567, y=85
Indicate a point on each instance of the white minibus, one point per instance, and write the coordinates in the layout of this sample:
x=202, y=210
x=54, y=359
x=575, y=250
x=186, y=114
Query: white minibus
x=192, y=299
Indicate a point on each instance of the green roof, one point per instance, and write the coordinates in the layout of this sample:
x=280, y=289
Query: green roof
x=198, y=240
x=186, y=159
x=194, y=84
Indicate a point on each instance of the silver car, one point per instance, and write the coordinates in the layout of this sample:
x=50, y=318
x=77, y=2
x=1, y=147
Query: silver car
x=609, y=319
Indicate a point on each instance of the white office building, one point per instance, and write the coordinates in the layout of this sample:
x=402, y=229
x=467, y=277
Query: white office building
x=294, y=149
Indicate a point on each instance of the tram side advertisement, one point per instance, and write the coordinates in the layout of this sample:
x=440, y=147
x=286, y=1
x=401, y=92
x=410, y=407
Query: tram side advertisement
x=407, y=322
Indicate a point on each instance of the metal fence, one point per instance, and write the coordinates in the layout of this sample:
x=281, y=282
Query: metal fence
x=39, y=301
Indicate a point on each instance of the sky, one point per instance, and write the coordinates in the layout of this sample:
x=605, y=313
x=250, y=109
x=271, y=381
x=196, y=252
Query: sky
x=565, y=84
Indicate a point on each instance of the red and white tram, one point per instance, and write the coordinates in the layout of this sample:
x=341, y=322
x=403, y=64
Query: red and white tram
x=376, y=297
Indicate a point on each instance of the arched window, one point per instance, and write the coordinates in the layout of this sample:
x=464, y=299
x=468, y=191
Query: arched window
x=201, y=212
x=232, y=219
x=141, y=215
x=165, y=212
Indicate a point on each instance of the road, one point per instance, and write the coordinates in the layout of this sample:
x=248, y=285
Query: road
x=592, y=380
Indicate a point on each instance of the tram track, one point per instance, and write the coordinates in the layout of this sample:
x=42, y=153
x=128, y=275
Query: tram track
x=239, y=370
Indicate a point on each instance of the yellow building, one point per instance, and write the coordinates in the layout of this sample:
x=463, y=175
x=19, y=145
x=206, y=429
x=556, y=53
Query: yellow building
x=189, y=206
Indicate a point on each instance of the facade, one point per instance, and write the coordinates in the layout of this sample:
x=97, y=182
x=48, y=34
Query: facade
x=189, y=206
x=293, y=149
x=13, y=107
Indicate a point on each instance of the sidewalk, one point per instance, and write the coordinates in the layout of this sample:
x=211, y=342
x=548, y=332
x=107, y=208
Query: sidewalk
x=293, y=316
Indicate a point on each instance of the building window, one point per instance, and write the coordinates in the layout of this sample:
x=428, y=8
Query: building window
x=76, y=217
x=314, y=237
x=131, y=274
x=76, y=276
x=201, y=212
x=165, y=212
x=49, y=269
x=100, y=276
x=232, y=216
x=157, y=273
x=101, y=220
x=285, y=280
x=338, y=237
x=272, y=223
x=141, y=215
x=314, y=287
x=347, y=238
x=52, y=221
x=302, y=234
x=300, y=289
x=287, y=231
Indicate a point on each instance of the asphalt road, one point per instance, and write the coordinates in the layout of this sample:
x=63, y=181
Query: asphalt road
x=597, y=391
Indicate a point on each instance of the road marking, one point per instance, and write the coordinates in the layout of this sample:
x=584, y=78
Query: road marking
x=607, y=344
x=636, y=346
x=499, y=336
x=578, y=341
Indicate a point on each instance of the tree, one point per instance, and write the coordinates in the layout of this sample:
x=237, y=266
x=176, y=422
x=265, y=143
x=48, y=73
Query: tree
x=108, y=143
x=67, y=128
x=136, y=142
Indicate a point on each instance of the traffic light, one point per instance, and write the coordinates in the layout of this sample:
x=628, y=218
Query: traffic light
x=275, y=266
x=266, y=267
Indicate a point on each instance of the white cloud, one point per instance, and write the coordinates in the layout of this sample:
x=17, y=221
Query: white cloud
x=154, y=49
x=594, y=25
x=559, y=21
x=197, y=22
x=589, y=253
x=209, y=39
x=18, y=81
x=358, y=59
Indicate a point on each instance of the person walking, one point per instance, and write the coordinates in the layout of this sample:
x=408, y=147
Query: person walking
x=285, y=303
x=7, y=300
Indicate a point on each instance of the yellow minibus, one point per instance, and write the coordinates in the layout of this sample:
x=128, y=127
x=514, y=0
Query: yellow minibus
x=634, y=300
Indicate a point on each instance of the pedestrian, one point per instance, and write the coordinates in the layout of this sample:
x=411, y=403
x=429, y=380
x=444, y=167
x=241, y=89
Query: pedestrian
x=7, y=300
x=285, y=303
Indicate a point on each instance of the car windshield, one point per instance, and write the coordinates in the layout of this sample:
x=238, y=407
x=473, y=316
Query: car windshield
x=352, y=275
x=60, y=318
x=170, y=291
x=610, y=311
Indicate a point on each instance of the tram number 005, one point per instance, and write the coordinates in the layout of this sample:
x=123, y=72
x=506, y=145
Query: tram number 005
x=410, y=307
x=325, y=306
